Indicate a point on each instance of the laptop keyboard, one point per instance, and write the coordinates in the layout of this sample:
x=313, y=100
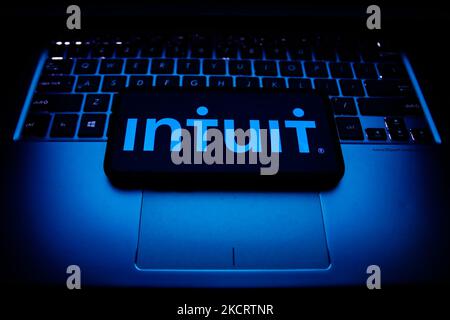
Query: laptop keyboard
x=370, y=91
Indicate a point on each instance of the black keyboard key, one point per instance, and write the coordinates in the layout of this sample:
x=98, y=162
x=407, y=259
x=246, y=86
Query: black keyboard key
x=162, y=66
x=341, y=70
x=92, y=126
x=102, y=51
x=226, y=51
x=420, y=135
x=274, y=83
x=251, y=52
x=86, y=66
x=136, y=66
x=126, y=51
x=58, y=66
x=194, y=82
x=389, y=106
x=365, y=71
x=168, y=81
x=397, y=129
x=143, y=83
x=316, y=69
x=152, y=51
x=343, y=106
x=55, y=83
x=291, y=69
x=299, y=84
x=97, y=103
x=111, y=66
x=326, y=86
x=87, y=84
x=275, y=53
x=216, y=67
x=349, y=128
x=188, y=66
x=176, y=51
x=388, y=88
x=64, y=125
x=78, y=51
x=391, y=70
x=265, y=68
x=113, y=83
x=220, y=82
x=242, y=67
x=376, y=134
x=201, y=51
x=351, y=88
x=247, y=82
x=57, y=102
x=36, y=125
x=300, y=53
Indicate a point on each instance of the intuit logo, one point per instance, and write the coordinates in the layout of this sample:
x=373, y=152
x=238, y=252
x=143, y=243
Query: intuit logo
x=219, y=142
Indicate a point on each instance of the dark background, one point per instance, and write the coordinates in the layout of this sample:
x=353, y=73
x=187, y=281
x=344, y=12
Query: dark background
x=422, y=30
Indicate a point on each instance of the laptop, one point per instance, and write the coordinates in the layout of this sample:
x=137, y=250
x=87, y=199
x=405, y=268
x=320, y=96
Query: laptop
x=78, y=192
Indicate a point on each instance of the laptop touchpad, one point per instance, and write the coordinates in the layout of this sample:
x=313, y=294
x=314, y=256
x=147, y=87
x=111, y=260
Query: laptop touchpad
x=201, y=230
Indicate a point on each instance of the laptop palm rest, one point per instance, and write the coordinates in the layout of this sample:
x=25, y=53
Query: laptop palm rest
x=203, y=230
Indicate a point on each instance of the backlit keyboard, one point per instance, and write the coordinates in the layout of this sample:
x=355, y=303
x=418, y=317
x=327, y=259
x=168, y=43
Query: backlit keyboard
x=370, y=88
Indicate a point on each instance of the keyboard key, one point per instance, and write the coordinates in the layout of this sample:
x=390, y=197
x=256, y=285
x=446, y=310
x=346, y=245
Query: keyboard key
x=201, y=51
x=365, y=70
x=162, y=66
x=275, y=53
x=152, y=51
x=420, y=135
x=300, y=53
x=326, y=86
x=242, y=67
x=36, y=125
x=55, y=83
x=247, y=82
x=343, y=106
x=92, y=126
x=226, y=50
x=299, y=84
x=86, y=66
x=377, y=134
x=291, y=69
x=188, y=66
x=397, y=129
x=87, y=83
x=351, y=88
x=126, y=51
x=97, y=102
x=274, y=83
x=57, y=102
x=349, y=128
x=113, y=83
x=252, y=52
x=140, y=83
x=389, y=106
x=214, y=67
x=134, y=66
x=194, y=82
x=168, y=81
x=78, y=51
x=176, y=51
x=316, y=69
x=64, y=125
x=111, y=66
x=58, y=66
x=102, y=50
x=341, y=70
x=392, y=70
x=265, y=68
x=220, y=82
x=388, y=88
